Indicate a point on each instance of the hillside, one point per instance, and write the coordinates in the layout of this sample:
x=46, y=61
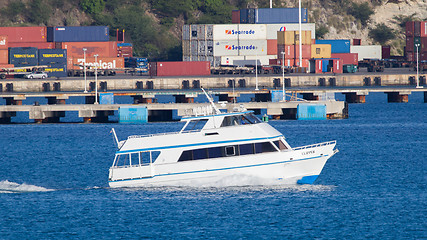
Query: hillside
x=154, y=26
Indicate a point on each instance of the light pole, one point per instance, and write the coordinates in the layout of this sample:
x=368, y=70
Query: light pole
x=283, y=75
x=96, y=78
x=417, y=45
x=300, y=36
x=84, y=65
x=256, y=71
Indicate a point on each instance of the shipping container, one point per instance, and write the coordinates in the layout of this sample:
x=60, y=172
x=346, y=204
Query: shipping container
x=240, y=48
x=272, y=29
x=271, y=47
x=103, y=49
x=57, y=70
x=4, y=43
x=368, y=52
x=209, y=48
x=194, y=48
x=186, y=48
x=385, y=52
x=410, y=56
x=417, y=29
x=357, y=42
x=24, y=34
x=235, y=16
x=286, y=62
x=410, y=44
x=52, y=57
x=424, y=29
x=306, y=51
x=239, y=32
x=288, y=50
x=22, y=57
x=133, y=114
x=119, y=44
x=244, y=16
x=337, y=45
x=279, y=15
x=186, y=32
x=423, y=56
x=321, y=51
x=125, y=51
x=337, y=66
x=306, y=37
x=423, y=44
x=4, y=56
x=2, y=66
x=308, y=111
x=78, y=34
x=410, y=29
x=251, y=15
x=347, y=58
x=76, y=63
x=40, y=45
x=180, y=68
x=316, y=66
x=246, y=60
x=305, y=62
x=286, y=37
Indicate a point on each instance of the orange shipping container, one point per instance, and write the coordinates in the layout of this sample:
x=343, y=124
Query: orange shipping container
x=4, y=44
x=305, y=62
x=321, y=51
x=286, y=63
x=24, y=34
x=306, y=37
x=272, y=47
x=103, y=49
x=288, y=49
x=306, y=51
x=286, y=37
x=39, y=45
x=4, y=56
x=101, y=63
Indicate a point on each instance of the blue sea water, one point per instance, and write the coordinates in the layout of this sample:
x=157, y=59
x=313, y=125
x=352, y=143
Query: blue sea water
x=53, y=184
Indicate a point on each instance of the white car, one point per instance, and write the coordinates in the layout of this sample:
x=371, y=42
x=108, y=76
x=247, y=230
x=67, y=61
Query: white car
x=36, y=75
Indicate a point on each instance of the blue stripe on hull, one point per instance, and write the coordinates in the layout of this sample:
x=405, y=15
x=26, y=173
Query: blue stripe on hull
x=307, y=179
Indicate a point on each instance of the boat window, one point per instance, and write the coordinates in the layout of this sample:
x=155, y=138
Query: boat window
x=215, y=152
x=230, y=151
x=134, y=159
x=279, y=144
x=264, y=147
x=122, y=160
x=231, y=121
x=200, y=154
x=195, y=125
x=246, y=149
x=186, y=156
x=145, y=157
x=252, y=118
x=240, y=120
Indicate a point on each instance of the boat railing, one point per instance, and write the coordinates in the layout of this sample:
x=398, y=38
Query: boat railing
x=162, y=134
x=315, y=145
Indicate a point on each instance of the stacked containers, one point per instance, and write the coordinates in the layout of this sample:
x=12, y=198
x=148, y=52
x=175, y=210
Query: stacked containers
x=78, y=34
x=56, y=60
x=279, y=15
x=179, y=68
x=288, y=47
x=23, y=56
x=76, y=63
x=124, y=50
x=367, y=51
x=340, y=48
x=337, y=45
x=416, y=34
x=75, y=50
x=4, y=57
x=24, y=34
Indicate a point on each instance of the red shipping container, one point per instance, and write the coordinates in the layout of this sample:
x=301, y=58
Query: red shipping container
x=386, y=52
x=347, y=58
x=4, y=44
x=410, y=29
x=6, y=66
x=305, y=62
x=39, y=45
x=423, y=56
x=410, y=56
x=409, y=44
x=102, y=62
x=287, y=63
x=24, y=34
x=338, y=65
x=272, y=62
x=306, y=51
x=424, y=29
x=318, y=66
x=272, y=47
x=180, y=68
x=4, y=56
x=423, y=44
x=288, y=49
x=417, y=29
x=103, y=49
x=357, y=42
x=235, y=16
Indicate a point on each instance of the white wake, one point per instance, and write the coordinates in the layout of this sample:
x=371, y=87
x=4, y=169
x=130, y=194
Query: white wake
x=12, y=187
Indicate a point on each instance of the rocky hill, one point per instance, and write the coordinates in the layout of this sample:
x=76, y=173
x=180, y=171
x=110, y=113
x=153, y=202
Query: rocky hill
x=154, y=26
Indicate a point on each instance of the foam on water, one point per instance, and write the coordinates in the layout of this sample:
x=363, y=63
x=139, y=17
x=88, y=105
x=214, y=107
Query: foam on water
x=12, y=187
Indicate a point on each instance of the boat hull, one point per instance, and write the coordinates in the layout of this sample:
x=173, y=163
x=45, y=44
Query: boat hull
x=286, y=167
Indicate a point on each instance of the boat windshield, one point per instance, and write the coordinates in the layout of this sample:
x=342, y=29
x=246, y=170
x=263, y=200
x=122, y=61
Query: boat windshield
x=195, y=125
x=244, y=119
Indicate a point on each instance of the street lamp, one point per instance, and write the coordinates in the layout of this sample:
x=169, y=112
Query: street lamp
x=283, y=75
x=84, y=65
x=256, y=71
x=417, y=45
x=300, y=36
x=96, y=78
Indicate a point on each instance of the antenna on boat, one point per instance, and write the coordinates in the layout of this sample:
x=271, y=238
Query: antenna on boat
x=115, y=136
x=211, y=102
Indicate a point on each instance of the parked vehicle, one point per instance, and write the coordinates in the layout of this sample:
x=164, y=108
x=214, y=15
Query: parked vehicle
x=36, y=75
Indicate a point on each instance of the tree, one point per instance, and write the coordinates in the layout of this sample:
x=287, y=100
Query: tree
x=382, y=34
x=92, y=6
x=361, y=11
x=321, y=31
x=38, y=12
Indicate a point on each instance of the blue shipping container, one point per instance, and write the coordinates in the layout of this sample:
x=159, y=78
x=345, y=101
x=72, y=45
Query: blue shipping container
x=244, y=16
x=124, y=44
x=106, y=98
x=23, y=56
x=337, y=45
x=134, y=114
x=78, y=34
x=325, y=65
x=57, y=70
x=52, y=56
x=280, y=15
x=276, y=95
x=311, y=112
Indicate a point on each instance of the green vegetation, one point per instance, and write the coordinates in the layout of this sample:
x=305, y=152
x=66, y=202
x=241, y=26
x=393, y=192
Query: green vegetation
x=321, y=31
x=382, y=34
x=92, y=6
x=362, y=12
